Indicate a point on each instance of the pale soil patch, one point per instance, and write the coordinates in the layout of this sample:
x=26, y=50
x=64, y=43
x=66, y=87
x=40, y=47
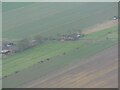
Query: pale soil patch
x=100, y=26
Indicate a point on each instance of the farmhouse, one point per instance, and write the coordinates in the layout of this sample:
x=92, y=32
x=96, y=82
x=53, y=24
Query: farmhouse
x=5, y=51
x=6, y=48
x=8, y=44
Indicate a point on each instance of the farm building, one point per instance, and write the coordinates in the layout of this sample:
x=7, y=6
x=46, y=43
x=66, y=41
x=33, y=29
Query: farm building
x=7, y=48
x=115, y=18
x=8, y=44
x=5, y=51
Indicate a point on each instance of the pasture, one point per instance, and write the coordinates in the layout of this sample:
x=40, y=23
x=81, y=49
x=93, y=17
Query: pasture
x=26, y=20
x=28, y=62
x=98, y=71
x=21, y=20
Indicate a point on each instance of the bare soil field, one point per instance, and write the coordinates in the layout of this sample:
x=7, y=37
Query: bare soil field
x=98, y=71
x=101, y=26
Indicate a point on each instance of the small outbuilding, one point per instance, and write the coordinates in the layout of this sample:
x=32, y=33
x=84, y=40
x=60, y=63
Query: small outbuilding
x=115, y=18
x=5, y=51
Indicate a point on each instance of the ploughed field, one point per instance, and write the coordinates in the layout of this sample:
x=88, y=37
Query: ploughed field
x=100, y=70
x=60, y=54
x=21, y=20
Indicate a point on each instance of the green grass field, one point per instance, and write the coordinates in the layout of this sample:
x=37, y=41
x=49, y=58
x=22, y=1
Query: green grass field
x=27, y=62
x=21, y=20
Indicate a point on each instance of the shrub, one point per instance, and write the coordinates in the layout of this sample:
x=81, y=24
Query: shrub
x=48, y=59
x=64, y=53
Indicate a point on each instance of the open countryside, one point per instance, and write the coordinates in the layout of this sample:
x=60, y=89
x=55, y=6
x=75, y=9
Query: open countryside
x=60, y=45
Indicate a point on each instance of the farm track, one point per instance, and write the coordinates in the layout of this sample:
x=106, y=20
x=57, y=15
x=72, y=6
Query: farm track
x=98, y=71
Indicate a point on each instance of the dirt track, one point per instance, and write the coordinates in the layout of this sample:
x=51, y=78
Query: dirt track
x=96, y=72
